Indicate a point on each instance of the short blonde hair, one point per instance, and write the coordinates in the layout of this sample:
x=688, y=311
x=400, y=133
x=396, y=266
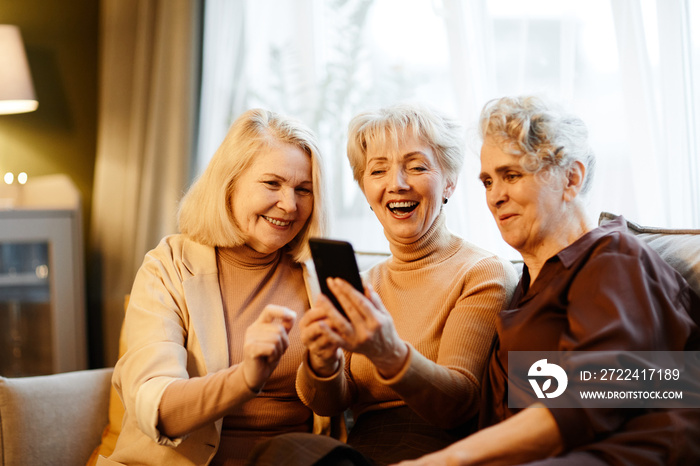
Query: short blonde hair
x=205, y=213
x=382, y=128
x=548, y=139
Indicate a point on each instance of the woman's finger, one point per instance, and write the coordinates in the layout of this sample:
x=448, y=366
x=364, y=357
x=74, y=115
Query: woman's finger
x=332, y=316
x=355, y=304
x=319, y=337
x=319, y=311
x=324, y=349
x=260, y=337
x=374, y=298
x=264, y=349
x=274, y=313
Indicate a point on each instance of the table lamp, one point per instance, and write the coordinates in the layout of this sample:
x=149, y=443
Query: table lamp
x=16, y=88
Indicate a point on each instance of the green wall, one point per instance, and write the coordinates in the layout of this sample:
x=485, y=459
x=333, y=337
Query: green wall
x=61, y=40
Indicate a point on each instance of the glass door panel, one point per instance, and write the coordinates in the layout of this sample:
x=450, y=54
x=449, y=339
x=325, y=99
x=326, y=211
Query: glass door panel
x=26, y=340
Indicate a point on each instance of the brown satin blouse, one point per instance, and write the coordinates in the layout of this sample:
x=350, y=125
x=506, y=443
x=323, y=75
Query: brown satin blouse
x=606, y=291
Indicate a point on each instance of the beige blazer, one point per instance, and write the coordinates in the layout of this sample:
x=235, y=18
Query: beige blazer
x=174, y=329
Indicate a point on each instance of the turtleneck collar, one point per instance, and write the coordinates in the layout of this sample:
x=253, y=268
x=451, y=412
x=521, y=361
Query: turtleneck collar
x=246, y=257
x=436, y=245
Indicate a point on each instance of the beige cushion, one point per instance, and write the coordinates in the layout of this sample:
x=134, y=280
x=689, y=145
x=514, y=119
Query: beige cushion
x=680, y=248
x=52, y=419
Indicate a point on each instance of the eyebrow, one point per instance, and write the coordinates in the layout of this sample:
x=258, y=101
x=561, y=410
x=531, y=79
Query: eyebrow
x=281, y=178
x=379, y=158
x=273, y=175
x=501, y=169
x=407, y=155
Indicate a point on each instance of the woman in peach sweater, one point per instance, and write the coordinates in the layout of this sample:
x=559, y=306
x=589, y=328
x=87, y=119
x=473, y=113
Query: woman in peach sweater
x=408, y=359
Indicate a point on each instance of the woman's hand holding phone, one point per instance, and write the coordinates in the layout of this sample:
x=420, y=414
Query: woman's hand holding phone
x=320, y=332
x=372, y=332
x=366, y=329
x=348, y=315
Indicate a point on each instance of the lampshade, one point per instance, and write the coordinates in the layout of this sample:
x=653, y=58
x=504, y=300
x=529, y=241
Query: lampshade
x=16, y=89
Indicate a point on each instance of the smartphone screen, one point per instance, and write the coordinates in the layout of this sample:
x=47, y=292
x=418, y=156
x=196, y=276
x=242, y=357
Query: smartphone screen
x=334, y=258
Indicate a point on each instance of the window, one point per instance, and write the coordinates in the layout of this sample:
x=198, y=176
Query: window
x=629, y=69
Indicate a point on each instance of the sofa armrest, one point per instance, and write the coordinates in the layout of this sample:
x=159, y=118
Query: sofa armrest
x=53, y=419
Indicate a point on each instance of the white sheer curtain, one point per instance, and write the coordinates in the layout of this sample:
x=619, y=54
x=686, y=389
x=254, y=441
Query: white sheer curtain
x=149, y=76
x=680, y=115
x=223, y=86
x=473, y=77
x=655, y=49
x=629, y=68
x=240, y=65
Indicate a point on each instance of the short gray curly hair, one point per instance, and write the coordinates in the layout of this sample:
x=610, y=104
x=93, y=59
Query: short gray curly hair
x=548, y=138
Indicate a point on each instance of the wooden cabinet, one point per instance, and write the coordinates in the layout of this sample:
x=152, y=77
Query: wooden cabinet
x=42, y=289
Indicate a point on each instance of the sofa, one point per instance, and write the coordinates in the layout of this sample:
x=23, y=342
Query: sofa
x=68, y=418
x=54, y=419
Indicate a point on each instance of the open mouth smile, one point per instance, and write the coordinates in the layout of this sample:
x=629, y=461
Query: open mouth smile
x=402, y=208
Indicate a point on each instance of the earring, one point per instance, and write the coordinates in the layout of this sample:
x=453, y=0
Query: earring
x=444, y=201
x=370, y=208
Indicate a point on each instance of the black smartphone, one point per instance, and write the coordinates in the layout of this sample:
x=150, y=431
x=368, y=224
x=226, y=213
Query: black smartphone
x=334, y=258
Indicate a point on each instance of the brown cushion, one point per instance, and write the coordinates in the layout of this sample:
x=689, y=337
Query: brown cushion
x=680, y=248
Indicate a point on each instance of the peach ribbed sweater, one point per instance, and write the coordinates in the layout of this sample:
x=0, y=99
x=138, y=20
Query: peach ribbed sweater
x=248, y=281
x=443, y=294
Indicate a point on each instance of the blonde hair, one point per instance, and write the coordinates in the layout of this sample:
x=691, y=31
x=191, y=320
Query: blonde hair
x=548, y=139
x=382, y=128
x=205, y=213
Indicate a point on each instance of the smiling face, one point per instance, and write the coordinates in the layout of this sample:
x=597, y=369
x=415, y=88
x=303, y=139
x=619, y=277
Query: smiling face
x=273, y=198
x=528, y=213
x=405, y=187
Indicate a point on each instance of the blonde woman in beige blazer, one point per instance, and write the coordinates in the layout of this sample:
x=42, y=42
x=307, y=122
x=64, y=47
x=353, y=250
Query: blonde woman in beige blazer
x=212, y=349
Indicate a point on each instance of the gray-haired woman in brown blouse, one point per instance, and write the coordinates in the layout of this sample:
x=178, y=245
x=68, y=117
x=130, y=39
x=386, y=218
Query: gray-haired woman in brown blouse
x=583, y=291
